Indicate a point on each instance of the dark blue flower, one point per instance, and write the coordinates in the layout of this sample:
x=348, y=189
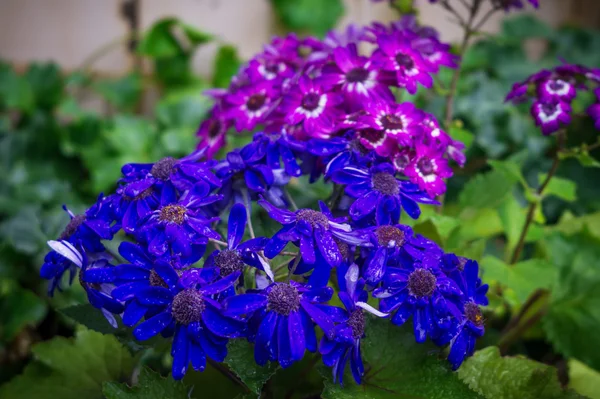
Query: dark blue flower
x=310, y=230
x=187, y=307
x=421, y=290
x=281, y=320
x=321, y=268
x=344, y=344
x=238, y=254
x=338, y=152
x=280, y=147
x=379, y=194
x=99, y=295
x=181, y=228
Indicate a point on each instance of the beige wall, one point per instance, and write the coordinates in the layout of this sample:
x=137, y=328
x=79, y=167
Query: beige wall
x=68, y=31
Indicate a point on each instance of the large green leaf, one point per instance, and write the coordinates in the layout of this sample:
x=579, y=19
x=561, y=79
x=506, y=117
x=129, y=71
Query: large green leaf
x=15, y=91
x=150, y=385
x=399, y=367
x=240, y=359
x=18, y=309
x=497, y=377
x=226, y=64
x=46, y=83
x=164, y=40
x=574, y=311
x=583, y=379
x=123, y=93
x=90, y=317
x=487, y=190
x=312, y=16
x=71, y=368
x=562, y=188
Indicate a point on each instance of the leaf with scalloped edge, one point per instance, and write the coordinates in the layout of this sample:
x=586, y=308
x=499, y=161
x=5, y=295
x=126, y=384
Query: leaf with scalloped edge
x=240, y=359
x=497, y=377
x=150, y=385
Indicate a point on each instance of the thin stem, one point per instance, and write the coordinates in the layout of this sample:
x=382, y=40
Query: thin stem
x=532, y=207
x=516, y=327
x=218, y=242
x=248, y=206
x=228, y=374
x=282, y=265
x=290, y=199
x=294, y=266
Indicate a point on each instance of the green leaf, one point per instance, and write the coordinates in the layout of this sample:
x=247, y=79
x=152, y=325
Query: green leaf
x=170, y=37
x=511, y=170
x=583, y=379
x=487, y=190
x=522, y=278
x=240, y=359
x=15, y=91
x=150, y=386
x=497, y=377
x=573, y=317
x=183, y=108
x=47, y=84
x=123, y=93
x=461, y=134
x=90, y=317
x=226, y=65
x=409, y=370
x=18, y=309
x=526, y=26
x=311, y=16
x=71, y=368
x=562, y=188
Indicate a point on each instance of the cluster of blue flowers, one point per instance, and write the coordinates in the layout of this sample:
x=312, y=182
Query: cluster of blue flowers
x=182, y=279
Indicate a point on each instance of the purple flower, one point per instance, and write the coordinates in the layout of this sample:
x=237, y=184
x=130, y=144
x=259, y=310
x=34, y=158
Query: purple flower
x=357, y=76
x=280, y=148
x=338, y=152
x=212, y=132
x=557, y=89
x=399, y=121
x=250, y=105
x=308, y=104
x=550, y=114
x=398, y=57
x=344, y=345
x=594, y=109
x=311, y=230
x=282, y=318
x=379, y=194
x=200, y=328
x=428, y=169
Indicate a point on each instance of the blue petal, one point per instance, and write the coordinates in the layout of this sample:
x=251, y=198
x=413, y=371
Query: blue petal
x=133, y=313
x=307, y=248
x=236, y=225
x=167, y=273
x=132, y=272
x=244, y=304
x=458, y=350
x=154, y=296
x=180, y=353
x=134, y=254
x=318, y=316
x=297, y=337
x=152, y=326
x=376, y=267
x=322, y=294
x=221, y=284
x=310, y=337
x=284, y=350
x=126, y=291
x=99, y=275
x=327, y=246
x=264, y=337
x=197, y=356
x=221, y=325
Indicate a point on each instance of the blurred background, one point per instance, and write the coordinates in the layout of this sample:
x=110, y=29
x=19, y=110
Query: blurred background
x=88, y=85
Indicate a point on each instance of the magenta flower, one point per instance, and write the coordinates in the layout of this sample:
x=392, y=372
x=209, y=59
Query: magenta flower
x=428, y=169
x=250, y=105
x=399, y=121
x=212, y=132
x=549, y=114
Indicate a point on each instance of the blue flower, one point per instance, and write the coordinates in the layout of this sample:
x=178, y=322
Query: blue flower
x=379, y=194
x=321, y=268
x=244, y=172
x=99, y=295
x=420, y=290
x=310, y=230
x=280, y=148
x=339, y=152
x=471, y=326
x=187, y=307
x=237, y=255
x=281, y=320
x=181, y=228
x=344, y=345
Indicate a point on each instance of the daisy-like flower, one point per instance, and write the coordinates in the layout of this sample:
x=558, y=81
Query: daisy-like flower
x=427, y=169
x=422, y=291
x=238, y=254
x=344, y=345
x=550, y=115
x=356, y=76
x=250, y=105
x=200, y=328
x=471, y=326
x=99, y=295
x=338, y=152
x=308, y=103
x=397, y=56
x=400, y=121
x=180, y=228
x=281, y=320
x=311, y=230
x=558, y=89
x=280, y=148
x=379, y=194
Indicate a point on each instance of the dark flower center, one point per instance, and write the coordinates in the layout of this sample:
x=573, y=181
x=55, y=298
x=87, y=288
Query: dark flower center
x=357, y=322
x=163, y=168
x=425, y=166
x=401, y=161
x=313, y=217
x=229, y=261
x=343, y=247
x=391, y=122
x=389, y=236
x=421, y=283
x=372, y=135
x=385, y=183
x=405, y=61
x=172, y=214
x=357, y=75
x=72, y=227
x=146, y=193
x=283, y=299
x=256, y=102
x=557, y=85
x=272, y=67
x=549, y=108
x=214, y=128
x=356, y=146
x=310, y=101
x=156, y=280
x=188, y=306
x=473, y=313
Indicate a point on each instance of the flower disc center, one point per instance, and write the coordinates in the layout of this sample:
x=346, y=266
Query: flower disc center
x=473, y=313
x=313, y=217
x=425, y=166
x=404, y=60
x=389, y=236
x=385, y=183
x=163, y=168
x=283, y=299
x=72, y=227
x=357, y=322
x=188, y=306
x=357, y=75
x=256, y=102
x=310, y=101
x=229, y=261
x=421, y=283
x=173, y=214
